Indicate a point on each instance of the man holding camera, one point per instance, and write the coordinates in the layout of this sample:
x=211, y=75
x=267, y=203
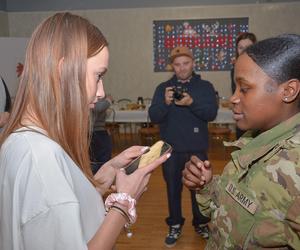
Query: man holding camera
x=183, y=106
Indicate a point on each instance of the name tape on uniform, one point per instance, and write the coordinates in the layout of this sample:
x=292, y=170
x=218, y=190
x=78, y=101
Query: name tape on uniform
x=241, y=198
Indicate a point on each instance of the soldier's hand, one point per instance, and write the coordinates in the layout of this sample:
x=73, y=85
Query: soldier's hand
x=196, y=173
x=187, y=100
x=169, y=95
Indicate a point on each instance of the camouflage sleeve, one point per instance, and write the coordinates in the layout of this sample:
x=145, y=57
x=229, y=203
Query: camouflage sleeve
x=293, y=220
x=205, y=197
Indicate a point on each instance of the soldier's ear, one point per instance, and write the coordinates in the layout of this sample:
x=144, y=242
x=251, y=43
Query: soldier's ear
x=290, y=90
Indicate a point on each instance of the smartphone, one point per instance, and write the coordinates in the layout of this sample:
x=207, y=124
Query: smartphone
x=155, y=151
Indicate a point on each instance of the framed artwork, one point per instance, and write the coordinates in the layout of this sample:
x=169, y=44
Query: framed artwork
x=211, y=40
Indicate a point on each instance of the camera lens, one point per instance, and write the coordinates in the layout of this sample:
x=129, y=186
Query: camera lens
x=178, y=93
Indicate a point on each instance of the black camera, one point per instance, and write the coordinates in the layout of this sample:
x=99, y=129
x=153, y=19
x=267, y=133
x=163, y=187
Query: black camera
x=178, y=92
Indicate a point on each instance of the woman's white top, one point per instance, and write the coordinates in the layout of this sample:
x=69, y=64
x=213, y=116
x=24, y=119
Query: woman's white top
x=46, y=202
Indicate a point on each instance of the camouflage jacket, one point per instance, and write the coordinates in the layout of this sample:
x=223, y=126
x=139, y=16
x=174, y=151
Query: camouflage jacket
x=255, y=203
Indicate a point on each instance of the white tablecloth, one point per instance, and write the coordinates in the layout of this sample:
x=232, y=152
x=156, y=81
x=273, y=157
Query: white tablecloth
x=141, y=116
x=133, y=116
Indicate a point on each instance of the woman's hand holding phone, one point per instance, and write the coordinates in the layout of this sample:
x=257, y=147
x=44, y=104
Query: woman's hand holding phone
x=135, y=183
x=107, y=173
x=155, y=151
x=126, y=156
x=135, y=158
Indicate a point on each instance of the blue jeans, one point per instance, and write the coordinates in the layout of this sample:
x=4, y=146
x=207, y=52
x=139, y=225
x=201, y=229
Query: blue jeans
x=172, y=172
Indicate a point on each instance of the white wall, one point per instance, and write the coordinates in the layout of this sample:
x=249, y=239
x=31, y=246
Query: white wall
x=129, y=32
x=12, y=51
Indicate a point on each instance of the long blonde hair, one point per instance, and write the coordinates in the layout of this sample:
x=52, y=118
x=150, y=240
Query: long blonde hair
x=52, y=87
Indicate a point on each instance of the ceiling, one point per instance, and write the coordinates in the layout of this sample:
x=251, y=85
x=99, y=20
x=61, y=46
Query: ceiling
x=56, y=5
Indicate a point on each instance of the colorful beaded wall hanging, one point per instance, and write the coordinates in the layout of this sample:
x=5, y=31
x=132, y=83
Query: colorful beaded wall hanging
x=211, y=40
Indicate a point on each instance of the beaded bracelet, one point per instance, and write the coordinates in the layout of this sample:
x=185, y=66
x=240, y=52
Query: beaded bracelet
x=125, y=215
x=122, y=212
x=121, y=198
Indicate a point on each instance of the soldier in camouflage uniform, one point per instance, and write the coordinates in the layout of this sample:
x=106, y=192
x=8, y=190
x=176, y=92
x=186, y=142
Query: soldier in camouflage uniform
x=255, y=203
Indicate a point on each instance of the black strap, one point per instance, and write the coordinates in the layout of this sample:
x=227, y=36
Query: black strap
x=8, y=99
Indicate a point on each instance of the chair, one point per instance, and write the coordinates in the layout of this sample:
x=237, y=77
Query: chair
x=122, y=105
x=147, y=101
x=127, y=128
x=123, y=102
x=219, y=132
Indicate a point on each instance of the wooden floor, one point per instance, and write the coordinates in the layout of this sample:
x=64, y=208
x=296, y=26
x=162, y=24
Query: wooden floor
x=150, y=229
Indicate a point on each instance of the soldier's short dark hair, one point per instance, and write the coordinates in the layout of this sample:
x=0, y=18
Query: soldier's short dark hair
x=278, y=57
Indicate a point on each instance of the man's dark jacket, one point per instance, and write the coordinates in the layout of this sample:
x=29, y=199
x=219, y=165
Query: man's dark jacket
x=185, y=127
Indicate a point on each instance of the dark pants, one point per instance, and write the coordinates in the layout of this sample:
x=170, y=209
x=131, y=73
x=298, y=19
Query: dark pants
x=100, y=149
x=172, y=172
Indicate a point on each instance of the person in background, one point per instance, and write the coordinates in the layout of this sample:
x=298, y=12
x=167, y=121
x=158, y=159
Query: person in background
x=101, y=143
x=49, y=198
x=183, y=106
x=243, y=41
x=19, y=69
x=255, y=203
x=5, y=103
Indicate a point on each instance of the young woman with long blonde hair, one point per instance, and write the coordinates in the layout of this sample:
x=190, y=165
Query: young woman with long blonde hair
x=49, y=198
